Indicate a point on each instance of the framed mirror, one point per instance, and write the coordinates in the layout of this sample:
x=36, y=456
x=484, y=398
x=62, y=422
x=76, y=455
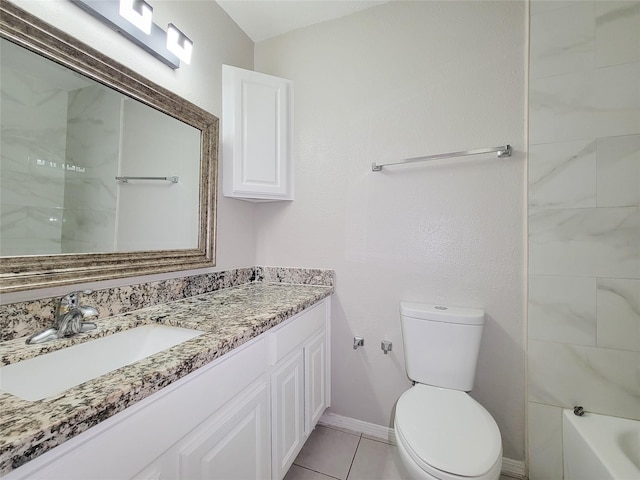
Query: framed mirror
x=104, y=173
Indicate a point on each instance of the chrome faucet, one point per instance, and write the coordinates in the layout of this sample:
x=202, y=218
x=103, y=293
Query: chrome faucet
x=70, y=319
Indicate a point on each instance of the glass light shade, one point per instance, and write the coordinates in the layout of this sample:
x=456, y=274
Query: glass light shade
x=138, y=12
x=179, y=44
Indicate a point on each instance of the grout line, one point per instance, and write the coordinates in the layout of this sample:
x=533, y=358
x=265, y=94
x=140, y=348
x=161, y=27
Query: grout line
x=341, y=430
x=316, y=471
x=379, y=440
x=354, y=457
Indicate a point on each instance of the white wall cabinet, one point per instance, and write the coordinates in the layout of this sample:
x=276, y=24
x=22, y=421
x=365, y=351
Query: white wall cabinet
x=244, y=416
x=257, y=135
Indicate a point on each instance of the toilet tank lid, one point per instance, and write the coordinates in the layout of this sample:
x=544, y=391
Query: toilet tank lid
x=443, y=313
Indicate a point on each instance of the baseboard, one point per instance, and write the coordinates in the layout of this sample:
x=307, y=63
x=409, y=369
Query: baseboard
x=510, y=468
x=358, y=426
x=513, y=468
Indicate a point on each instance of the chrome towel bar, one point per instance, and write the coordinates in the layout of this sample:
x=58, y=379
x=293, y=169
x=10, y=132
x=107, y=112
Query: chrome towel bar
x=503, y=151
x=167, y=179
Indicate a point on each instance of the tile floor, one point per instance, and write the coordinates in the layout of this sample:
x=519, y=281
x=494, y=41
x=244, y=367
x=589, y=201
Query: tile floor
x=332, y=453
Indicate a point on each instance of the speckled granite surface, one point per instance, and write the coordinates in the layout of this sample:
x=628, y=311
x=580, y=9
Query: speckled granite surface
x=229, y=317
x=25, y=318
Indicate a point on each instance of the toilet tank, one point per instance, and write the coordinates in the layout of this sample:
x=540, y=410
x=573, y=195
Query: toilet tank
x=441, y=344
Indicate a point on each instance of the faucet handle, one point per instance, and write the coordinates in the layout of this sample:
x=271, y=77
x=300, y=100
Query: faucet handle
x=88, y=312
x=70, y=300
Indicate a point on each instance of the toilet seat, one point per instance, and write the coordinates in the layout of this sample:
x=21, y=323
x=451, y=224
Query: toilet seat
x=448, y=434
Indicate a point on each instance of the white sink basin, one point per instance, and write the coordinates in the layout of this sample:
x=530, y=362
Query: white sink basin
x=55, y=372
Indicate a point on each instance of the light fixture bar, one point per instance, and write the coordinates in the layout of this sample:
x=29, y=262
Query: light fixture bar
x=179, y=44
x=138, y=12
x=155, y=43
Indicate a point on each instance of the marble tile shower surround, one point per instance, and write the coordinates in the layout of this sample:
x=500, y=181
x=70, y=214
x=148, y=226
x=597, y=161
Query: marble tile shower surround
x=25, y=318
x=60, y=151
x=32, y=190
x=93, y=144
x=584, y=218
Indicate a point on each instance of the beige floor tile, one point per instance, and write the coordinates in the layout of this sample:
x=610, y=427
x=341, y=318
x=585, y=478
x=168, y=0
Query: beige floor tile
x=300, y=473
x=332, y=453
x=328, y=451
x=377, y=461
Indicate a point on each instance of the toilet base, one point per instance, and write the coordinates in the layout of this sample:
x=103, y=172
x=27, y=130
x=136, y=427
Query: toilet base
x=418, y=473
x=407, y=462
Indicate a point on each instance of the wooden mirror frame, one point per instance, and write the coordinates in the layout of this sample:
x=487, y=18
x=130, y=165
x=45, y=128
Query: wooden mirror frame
x=41, y=271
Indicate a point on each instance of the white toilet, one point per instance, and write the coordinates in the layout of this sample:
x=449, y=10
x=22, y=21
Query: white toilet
x=443, y=433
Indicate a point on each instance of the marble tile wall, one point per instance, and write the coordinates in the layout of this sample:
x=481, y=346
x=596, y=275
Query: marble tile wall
x=584, y=218
x=33, y=146
x=60, y=150
x=93, y=140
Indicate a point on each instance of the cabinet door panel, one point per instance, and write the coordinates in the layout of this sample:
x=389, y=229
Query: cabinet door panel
x=234, y=443
x=257, y=119
x=262, y=110
x=287, y=408
x=315, y=380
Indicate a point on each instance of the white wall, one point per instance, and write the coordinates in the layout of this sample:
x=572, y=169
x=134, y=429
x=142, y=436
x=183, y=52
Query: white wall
x=217, y=40
x=400, y=80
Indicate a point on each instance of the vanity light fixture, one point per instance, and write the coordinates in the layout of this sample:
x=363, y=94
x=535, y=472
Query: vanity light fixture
x=138, y=12
x=179, y=44
x=127, y=18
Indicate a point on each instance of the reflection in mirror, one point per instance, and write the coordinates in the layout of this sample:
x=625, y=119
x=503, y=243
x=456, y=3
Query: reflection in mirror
x=66, y=139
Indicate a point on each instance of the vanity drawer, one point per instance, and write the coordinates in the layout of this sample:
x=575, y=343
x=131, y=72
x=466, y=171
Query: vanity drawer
x=297, y=330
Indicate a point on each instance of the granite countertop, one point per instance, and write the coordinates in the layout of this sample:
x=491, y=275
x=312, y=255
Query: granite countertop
x=229, y=318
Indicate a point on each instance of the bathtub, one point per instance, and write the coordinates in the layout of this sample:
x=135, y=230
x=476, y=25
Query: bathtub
x=598, y=447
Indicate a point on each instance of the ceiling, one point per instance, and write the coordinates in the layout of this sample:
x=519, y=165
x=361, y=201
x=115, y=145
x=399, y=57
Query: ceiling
x=263, y=19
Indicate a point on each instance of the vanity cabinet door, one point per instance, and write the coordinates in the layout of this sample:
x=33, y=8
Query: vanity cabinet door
x=232, y=444
x=287, y=410
x=315, y=377
x=257, y=132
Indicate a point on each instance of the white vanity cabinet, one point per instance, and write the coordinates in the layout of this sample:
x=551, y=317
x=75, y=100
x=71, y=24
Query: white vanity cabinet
x=257, y=135
x=231, y=419
x=166, y=433
x=299, y=384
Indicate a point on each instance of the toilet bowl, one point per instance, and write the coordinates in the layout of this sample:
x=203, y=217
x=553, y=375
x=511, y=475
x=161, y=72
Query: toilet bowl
x=445, y=434
x=441, y=431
